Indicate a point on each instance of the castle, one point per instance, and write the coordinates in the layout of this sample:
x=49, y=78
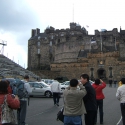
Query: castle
x=72, y=51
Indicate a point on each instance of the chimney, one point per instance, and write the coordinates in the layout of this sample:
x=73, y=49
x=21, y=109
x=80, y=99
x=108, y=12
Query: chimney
x=33, y=31
x=37, y=31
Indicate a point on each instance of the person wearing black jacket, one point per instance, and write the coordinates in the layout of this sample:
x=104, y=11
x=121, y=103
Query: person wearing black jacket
x=89, y=100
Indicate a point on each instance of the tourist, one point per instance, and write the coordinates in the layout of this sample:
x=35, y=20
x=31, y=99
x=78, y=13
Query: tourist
x=115, y=82
x=110, y=82
x=21, y=112
x=73, y=103
x=99, y=85
x=56, y=89
x=89, y=100
x=120, y=95
x=12, y=101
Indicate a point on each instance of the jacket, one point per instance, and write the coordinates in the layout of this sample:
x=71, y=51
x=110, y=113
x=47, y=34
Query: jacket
x=120, y=94
x=98, y=90
x=55, y=87
x=73, y=102
x=13, y=103
x=90, y=98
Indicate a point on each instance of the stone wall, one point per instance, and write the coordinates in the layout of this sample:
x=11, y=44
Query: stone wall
x=72, y=51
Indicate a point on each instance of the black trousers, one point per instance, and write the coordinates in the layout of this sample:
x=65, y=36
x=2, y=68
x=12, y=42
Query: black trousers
x=122, y=105
x=90, y=117
x=56, y=97
x=100, y=107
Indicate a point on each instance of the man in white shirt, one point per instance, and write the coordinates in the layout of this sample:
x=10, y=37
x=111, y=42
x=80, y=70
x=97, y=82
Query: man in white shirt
x=120, y=95
x=56, y=89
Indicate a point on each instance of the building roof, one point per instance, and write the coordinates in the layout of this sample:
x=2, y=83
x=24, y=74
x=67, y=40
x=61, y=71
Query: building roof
x=41, y=35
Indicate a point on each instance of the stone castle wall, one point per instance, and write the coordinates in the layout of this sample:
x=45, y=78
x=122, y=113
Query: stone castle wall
x=72, y=51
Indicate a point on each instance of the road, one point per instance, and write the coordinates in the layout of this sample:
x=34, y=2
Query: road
x=41, y=110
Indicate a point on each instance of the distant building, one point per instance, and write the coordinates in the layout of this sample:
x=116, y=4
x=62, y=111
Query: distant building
x=72, y=51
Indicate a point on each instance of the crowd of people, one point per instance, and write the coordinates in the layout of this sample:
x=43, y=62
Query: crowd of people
x=85, y=100
x=88, y=99
x=14, y=101
x=80, y=98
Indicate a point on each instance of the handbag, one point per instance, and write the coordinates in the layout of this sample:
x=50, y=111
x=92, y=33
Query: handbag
x=60, y=115
x=7, y=114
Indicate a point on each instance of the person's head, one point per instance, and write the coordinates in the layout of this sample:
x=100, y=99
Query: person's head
x=26, y=77
x=84, y=78
x=8, y=82
x=73, y=82
x=97, y=81
x=3, y=87
x=123, y=80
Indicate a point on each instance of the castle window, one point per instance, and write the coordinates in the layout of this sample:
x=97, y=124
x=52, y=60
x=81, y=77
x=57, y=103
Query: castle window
x=38, y=51
x=50, y=43
x=62, y=34
x=38, y=43
x=52, y=37
x=58, y=40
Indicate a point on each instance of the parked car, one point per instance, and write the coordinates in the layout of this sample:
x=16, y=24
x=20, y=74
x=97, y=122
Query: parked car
x=91, y=82
x=48, y=81
x=67, y=83
x=40, y=89
x=11, y=80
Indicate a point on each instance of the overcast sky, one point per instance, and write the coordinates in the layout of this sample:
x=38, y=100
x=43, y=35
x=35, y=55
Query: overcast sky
x=18, y=17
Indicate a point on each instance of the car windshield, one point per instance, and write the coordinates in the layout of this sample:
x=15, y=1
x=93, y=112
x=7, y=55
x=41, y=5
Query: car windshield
x=43, y=84
x=63, y=83
x=67, y=83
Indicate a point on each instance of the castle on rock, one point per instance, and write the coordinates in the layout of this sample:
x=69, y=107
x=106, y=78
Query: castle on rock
x=72, y=51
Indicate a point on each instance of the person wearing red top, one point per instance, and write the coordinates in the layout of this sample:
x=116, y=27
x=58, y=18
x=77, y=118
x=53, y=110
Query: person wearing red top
x=13, y=102
x=99, y=85
x=9, y=87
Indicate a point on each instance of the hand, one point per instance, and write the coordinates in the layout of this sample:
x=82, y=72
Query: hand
x=16, y=97
x=79, y=83
x=101, y=81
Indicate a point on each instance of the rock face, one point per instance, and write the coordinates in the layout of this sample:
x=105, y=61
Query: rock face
x=10, y=69
x=73, y=51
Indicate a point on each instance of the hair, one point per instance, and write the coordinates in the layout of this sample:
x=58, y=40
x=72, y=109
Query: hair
x=85, y=76
x=123, y=80
x=26, y=77
x=73, y=82
x=97, y=81
x=3, y=87
x=8, y=82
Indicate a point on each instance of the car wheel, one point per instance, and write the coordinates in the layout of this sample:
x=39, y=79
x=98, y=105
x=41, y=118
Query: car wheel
x=63, y=88
x=48, y=94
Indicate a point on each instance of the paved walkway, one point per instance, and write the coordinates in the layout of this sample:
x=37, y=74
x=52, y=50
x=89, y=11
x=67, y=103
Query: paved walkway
x=42, y=112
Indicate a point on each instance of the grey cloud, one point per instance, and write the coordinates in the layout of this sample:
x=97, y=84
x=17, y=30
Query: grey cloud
x=16, y=16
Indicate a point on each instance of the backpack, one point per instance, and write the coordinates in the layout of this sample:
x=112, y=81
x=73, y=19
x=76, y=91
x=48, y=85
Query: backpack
x=19, y=89
x=7, y=114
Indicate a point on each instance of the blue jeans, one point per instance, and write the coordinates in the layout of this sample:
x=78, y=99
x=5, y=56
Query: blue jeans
x=72, y=120
x=21, y=112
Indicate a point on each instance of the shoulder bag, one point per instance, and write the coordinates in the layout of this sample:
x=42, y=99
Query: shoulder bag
x=7, y=114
